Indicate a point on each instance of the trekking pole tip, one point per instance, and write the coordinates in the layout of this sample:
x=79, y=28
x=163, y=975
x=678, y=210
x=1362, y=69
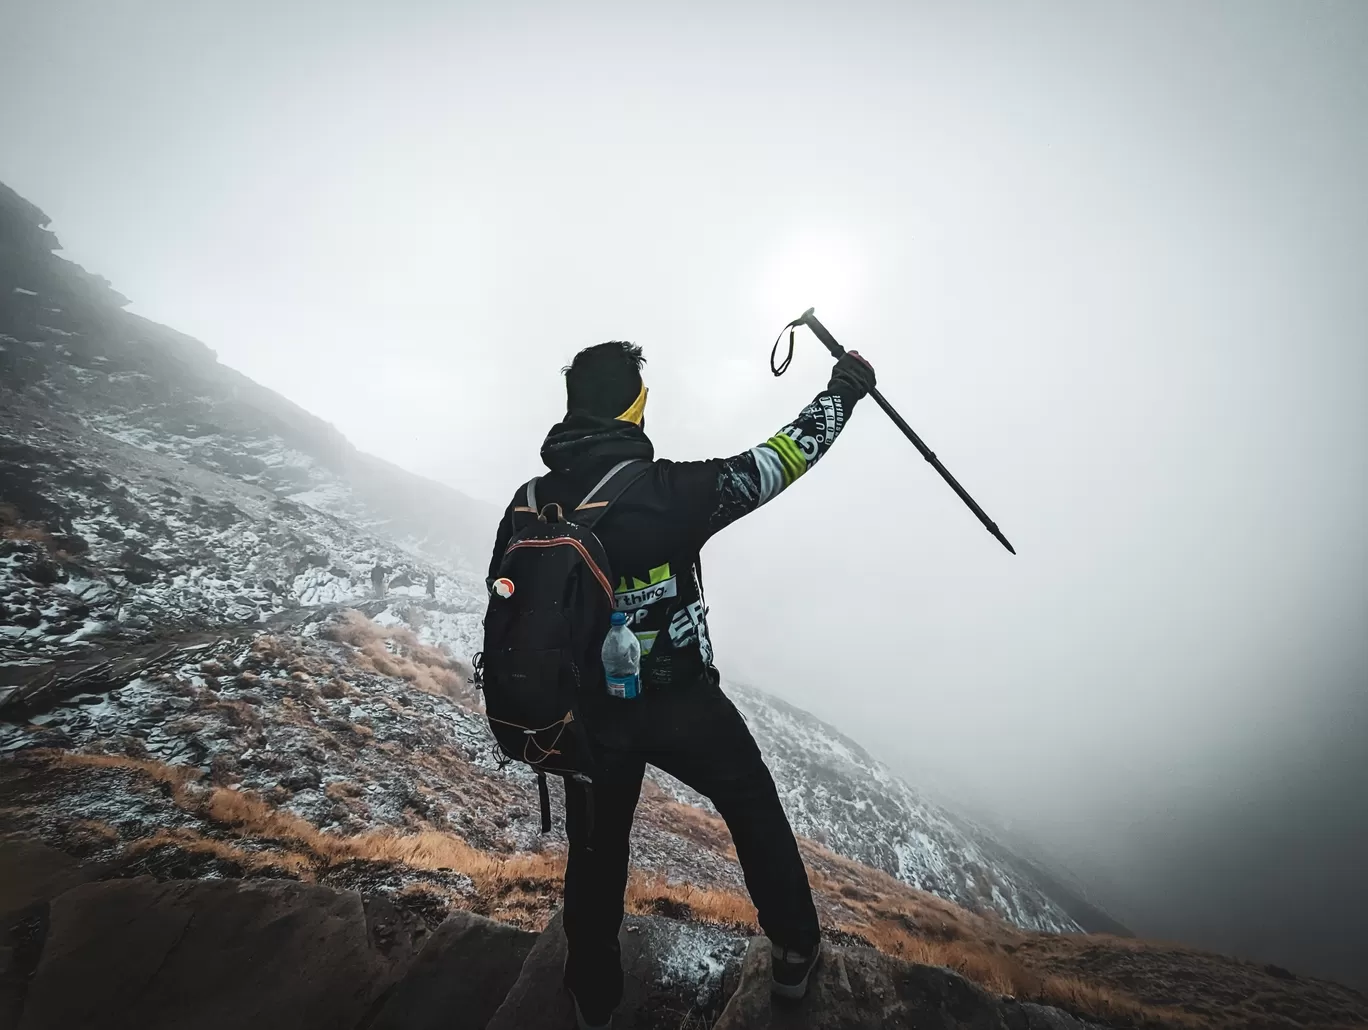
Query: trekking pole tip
x=992, y=528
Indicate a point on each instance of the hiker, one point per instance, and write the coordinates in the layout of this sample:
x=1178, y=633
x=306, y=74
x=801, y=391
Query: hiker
x=681, y=721
x=431, y=585
x=378, y=580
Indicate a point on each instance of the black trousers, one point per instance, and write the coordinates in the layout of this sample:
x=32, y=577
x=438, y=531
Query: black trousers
x=694, y=733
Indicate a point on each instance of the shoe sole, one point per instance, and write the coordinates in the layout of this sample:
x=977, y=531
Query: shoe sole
x=584, y=1024
x=580, y=1022
x=798, y=991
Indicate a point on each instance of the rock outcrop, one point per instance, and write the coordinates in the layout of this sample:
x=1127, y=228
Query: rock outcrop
x=675, y=975
x=108, y=954
x=460, y=979
x=208, y=954
x=852, y=989
x=76, y=951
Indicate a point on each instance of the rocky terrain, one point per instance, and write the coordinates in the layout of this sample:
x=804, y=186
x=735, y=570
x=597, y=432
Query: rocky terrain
x=200, y=681
x=271, y=953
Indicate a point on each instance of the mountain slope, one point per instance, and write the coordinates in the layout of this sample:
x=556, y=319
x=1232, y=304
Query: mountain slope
x=70, y=349
x=150, y=490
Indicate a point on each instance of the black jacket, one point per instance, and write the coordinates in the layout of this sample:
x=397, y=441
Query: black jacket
x=654, y=532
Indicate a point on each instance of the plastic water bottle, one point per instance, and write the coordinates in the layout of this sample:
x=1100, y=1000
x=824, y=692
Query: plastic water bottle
x=622, y=659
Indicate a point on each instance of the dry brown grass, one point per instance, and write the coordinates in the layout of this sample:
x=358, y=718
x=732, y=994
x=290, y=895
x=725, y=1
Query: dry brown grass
x=395, y=651
x=309, y=852
x=174, y=776
x=977, y=960
x=432, y=849
x=12, y=527
x=25, y=532
x=523, y=888
x=94, y=830
x=244, y=810
x=289, y=862
x=1100, y=1002
x=235, y=712
x=652, y=895
x=87, y=836
x=428, y=849
x=272, y=648
x=693, y=824
x=873, y=897
x=919, y=927
x=986, y=964
x=335, y=688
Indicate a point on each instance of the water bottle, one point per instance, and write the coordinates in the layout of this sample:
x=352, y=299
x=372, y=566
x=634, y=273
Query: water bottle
x=622, y=659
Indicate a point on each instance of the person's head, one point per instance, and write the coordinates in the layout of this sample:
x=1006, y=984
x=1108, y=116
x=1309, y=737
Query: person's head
x=605, y=381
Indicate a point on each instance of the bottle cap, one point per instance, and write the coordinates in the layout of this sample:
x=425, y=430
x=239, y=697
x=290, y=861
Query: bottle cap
x=619, y=618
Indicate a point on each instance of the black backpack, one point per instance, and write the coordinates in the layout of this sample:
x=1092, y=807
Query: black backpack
x=549, y=611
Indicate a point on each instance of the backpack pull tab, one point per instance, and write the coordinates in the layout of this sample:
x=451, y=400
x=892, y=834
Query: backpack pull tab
x=545, y=797
x=557, y=516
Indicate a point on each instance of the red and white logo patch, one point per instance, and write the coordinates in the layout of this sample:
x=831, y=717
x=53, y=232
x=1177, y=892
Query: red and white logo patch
x=503, y=587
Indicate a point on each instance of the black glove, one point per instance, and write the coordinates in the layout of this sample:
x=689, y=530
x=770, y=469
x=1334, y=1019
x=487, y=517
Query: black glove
x=852, y=377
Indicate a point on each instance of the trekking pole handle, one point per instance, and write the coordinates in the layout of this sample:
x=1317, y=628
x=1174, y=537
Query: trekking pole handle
x=808, y=319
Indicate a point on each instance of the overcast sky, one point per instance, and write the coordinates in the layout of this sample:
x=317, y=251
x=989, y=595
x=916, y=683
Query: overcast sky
x=1109, y=259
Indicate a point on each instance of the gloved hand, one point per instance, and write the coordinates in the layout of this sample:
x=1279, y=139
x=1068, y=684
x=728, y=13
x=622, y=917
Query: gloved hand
x=852, y=375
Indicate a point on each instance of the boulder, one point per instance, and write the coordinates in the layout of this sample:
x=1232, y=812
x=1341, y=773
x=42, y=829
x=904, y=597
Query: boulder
x=459, y=979
x=674, y=976
x=209, y=954
x=30, y=874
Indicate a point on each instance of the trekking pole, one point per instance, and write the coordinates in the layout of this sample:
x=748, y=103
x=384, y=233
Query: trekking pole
x=808, y=319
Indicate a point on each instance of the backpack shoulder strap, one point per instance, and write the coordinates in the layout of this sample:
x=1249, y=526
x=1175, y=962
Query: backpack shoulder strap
x=608, y=489
x=525, y=501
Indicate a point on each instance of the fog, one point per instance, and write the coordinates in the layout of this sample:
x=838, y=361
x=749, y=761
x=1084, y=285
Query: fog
x=1109, y=260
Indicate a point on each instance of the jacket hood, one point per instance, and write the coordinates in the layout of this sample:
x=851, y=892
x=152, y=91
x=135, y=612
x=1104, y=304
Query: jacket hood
x=583, y=439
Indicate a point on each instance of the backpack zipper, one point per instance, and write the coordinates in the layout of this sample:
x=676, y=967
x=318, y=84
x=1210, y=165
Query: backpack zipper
x=584, y=553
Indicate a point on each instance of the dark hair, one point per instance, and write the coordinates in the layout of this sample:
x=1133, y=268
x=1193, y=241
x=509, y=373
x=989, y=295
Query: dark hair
x=604, y=379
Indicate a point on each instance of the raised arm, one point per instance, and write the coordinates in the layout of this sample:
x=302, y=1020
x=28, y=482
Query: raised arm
x=724, y=490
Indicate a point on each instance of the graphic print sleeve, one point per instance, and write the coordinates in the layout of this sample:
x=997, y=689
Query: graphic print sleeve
x=725, y=489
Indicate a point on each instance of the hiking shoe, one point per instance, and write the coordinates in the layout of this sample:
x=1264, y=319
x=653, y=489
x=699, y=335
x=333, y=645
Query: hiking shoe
x=583, y=1023
x=792, y=969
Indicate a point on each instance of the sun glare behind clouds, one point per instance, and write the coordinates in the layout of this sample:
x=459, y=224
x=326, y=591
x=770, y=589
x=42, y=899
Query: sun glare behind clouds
x=820, y=268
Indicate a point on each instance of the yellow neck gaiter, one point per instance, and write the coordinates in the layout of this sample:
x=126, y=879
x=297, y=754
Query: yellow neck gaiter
x=637, y=411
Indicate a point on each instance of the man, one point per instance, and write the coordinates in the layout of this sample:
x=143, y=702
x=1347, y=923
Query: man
x=682, y=722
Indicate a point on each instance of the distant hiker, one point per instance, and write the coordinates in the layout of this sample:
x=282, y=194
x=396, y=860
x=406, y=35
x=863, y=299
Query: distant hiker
x=431, y=585
x=656, y=516
x=378, y=580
